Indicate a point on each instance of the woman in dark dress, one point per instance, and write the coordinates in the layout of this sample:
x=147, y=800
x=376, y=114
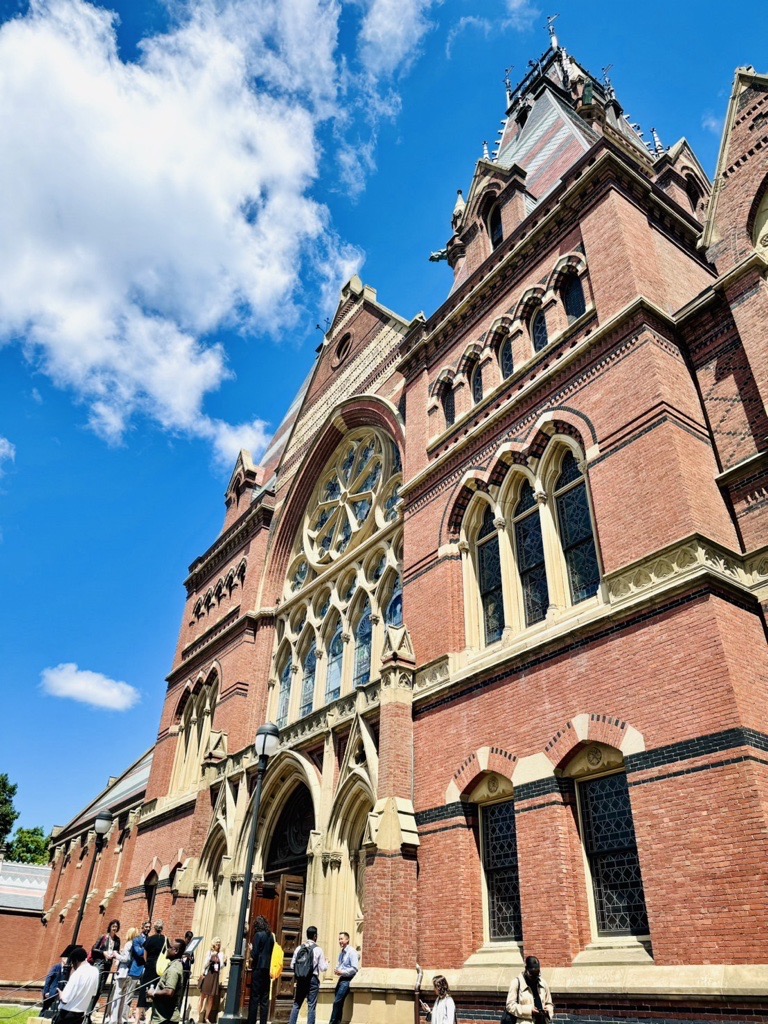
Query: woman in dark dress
x=153, y=947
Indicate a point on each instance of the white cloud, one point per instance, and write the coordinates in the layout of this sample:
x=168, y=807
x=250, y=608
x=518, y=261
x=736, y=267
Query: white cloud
x=521, y=14
x=7, y=452
x=711, y=123
x=483, y=25
x=145, y=206
x=71, y=683
x=391, y=33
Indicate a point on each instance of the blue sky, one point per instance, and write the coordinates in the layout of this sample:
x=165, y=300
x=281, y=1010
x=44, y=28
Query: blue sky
x=183, y=189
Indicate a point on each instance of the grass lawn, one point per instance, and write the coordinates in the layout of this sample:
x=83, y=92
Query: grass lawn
x=17, y=1014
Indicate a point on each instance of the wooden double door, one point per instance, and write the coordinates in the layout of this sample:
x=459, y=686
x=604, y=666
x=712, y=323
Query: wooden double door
x=280, y=899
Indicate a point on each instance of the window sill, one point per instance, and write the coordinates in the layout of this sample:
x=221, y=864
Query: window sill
x=619, y=950
x=482, y=970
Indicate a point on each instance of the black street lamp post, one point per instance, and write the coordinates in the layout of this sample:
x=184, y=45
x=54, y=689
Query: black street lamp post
x=267, y=740
x=101, y=826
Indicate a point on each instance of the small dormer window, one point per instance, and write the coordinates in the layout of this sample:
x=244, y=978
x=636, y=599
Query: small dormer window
x=495, y=228
x=693, y=191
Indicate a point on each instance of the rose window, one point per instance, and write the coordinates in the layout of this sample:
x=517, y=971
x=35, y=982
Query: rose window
x=358, y=491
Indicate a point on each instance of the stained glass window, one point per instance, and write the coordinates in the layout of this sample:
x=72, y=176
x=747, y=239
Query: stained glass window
x=300, y=576
x=335, y=660
x=477, y=385
x=284, y=694
x=390, y=505
x=449, y=406
x=308, y=682
x=529, y=547
x=363, y=639
x=394, y=612
x=609, y=841
x=572, y=295
x=506, y=360
x=576, y=536
x=489, y=576
x=539, y=331
x=501, y=873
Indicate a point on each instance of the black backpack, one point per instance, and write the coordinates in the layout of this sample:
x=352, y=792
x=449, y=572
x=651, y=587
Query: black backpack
x=304, y=964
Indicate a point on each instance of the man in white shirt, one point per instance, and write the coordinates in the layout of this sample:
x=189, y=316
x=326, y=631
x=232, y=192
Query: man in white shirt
x=80, y=991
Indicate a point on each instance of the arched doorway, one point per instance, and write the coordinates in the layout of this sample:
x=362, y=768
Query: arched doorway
x=279, y=896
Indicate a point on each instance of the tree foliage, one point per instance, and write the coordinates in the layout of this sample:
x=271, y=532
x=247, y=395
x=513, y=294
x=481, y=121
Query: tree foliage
x=8, y=813
x=28, y=846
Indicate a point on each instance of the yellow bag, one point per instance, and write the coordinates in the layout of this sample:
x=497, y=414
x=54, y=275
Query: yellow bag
x=163, y=963
x=278, y=959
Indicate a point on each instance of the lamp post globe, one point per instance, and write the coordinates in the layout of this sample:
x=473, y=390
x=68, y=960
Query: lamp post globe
x=266, y=744
x=103, y=823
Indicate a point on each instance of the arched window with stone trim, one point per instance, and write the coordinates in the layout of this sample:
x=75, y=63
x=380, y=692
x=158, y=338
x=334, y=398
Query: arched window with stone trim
x=494, y=796
x=335, y=665
x=195, y=722
x=284, y=694
x=308, y=682
x=572, y=297
x=608, y=835
x=489, y=578
x=529, y=553
x=575, y=528
x=448, y=403
x=506, y=357
x=394, y=613
x=363, y=648
x=495, y=226
x=538, y=330
x=476, y=379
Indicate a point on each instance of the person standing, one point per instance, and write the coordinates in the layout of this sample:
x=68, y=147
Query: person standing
x=166, y=998
x=529, y=997
x=51, y=987
x=346, y=968
x=124, y=984
x=153, y=947
x=261, y=961
x=106, y=951
x=307, y=968
x=209, y=983
x=81, y=989
x=136, y=969
x=444, y=1009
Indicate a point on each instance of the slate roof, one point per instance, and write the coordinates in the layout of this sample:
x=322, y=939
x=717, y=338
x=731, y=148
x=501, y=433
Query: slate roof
x=23, y=886
x=126, y=791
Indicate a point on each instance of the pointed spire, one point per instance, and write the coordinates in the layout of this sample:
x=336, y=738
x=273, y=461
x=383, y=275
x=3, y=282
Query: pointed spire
x=508, y=82
x=658, y=146
x=458, y=210
x=552, y=18
x=486, y=154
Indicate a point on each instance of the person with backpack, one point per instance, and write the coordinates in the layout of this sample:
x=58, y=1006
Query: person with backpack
x=261, y=962
x=307, y=963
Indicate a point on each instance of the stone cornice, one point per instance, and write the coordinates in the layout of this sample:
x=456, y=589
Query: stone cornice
x=631, y=590
x=223, y=632
x=258, y=516
x=753, y=263
x=166, y=807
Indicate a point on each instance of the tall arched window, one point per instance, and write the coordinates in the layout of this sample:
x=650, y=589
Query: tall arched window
x=449, y=405
x=506, y=360
x=335, y=662
x=539, y=334
x=489, y=578
x=572, y=294
x=394, y=613
x=529, y=549
x=363, y=641
x=477, y=384
x=308, y=682
x=495, y=226
x=284, y=694
x=575, y=525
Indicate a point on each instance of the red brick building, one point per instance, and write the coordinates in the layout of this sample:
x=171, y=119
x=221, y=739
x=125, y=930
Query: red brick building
x=501, y=582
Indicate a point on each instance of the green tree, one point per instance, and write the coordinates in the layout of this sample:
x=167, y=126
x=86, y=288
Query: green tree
x=8, y=813
x=28, y=846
